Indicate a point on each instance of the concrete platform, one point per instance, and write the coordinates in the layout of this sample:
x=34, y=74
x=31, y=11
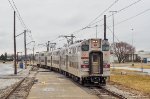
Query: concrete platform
x=52, y=85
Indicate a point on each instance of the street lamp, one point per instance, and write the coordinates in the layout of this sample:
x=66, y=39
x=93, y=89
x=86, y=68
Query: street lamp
x=113, y=12
x=32, y=50
x=132, y=49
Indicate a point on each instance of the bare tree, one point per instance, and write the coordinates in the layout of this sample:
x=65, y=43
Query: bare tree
x=122, y=50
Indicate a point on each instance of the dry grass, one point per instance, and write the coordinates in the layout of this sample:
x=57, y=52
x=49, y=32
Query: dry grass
x=120, y=71
x=138, y=82
x=145, y=66
x=136, y=65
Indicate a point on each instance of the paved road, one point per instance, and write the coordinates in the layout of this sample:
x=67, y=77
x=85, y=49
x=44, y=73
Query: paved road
x=52, y=85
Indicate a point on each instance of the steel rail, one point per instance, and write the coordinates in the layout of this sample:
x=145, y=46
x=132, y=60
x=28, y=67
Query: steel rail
x=113, y=93
x=14, y=88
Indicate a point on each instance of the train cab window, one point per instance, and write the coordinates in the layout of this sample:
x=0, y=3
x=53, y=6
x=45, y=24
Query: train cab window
x=85, y=47
x=105, y=47
x=95, y=58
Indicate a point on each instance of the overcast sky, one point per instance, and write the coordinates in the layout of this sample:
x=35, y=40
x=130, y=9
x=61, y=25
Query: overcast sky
x=47, y=19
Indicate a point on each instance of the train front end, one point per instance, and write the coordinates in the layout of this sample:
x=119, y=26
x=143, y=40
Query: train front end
x=95, y=62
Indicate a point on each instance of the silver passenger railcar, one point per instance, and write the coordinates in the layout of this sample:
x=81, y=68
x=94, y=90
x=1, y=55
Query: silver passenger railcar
x=86, y=61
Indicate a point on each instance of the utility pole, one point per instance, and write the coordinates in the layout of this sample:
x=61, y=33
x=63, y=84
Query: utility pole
x=48, y=46
x=67, y=37
x=52, y=46
x=132, y=49
x=113, y=34
x=96, y=30
x=15, y=65
x=33, y=56
x=104, y=27
x=25, y=49
x=33, y=52
x=72, y=38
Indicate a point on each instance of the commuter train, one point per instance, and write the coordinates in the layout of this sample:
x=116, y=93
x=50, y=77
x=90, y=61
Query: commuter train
x=85, y=61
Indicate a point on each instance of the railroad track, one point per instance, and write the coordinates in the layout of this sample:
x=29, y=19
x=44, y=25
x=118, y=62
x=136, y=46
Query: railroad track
x=12, y=89
x=113, y=93
x=21, y=89
x=104, y=93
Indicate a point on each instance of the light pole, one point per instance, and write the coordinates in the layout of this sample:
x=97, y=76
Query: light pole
x=29, y=56
x=141, y=64
x=15, y=65
x=96, y=30
x=132, y=49
x=33, y=50
x=113, y=33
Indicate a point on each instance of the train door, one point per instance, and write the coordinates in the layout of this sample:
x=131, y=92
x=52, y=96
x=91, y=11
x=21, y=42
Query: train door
x=67, y=62
x=45, y=61
x=39, y=61
x=51, y=61
x=96, y=63
x=60, y=62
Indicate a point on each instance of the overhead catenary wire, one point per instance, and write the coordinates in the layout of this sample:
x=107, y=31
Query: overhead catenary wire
x=91, y=23
x=108, y=27
x=19, y=14
x=14, y=7
x=104, y=11
x=128, y=6
x=112, y=33
x=133, y=16
x=96, y=17
x=122, y=9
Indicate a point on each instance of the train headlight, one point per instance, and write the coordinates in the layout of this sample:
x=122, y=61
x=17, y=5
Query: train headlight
x=95, y=41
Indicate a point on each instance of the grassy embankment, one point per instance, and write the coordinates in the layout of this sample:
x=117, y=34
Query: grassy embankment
x=136, y=65
x=145, y=66
x=132, y=80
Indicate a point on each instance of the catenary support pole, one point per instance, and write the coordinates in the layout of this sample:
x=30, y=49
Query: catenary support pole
x=104, y=27
x=25, y=49
x=15, y=65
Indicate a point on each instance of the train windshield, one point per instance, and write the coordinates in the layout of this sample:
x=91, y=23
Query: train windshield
x=105, y=47
x=85, y=47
